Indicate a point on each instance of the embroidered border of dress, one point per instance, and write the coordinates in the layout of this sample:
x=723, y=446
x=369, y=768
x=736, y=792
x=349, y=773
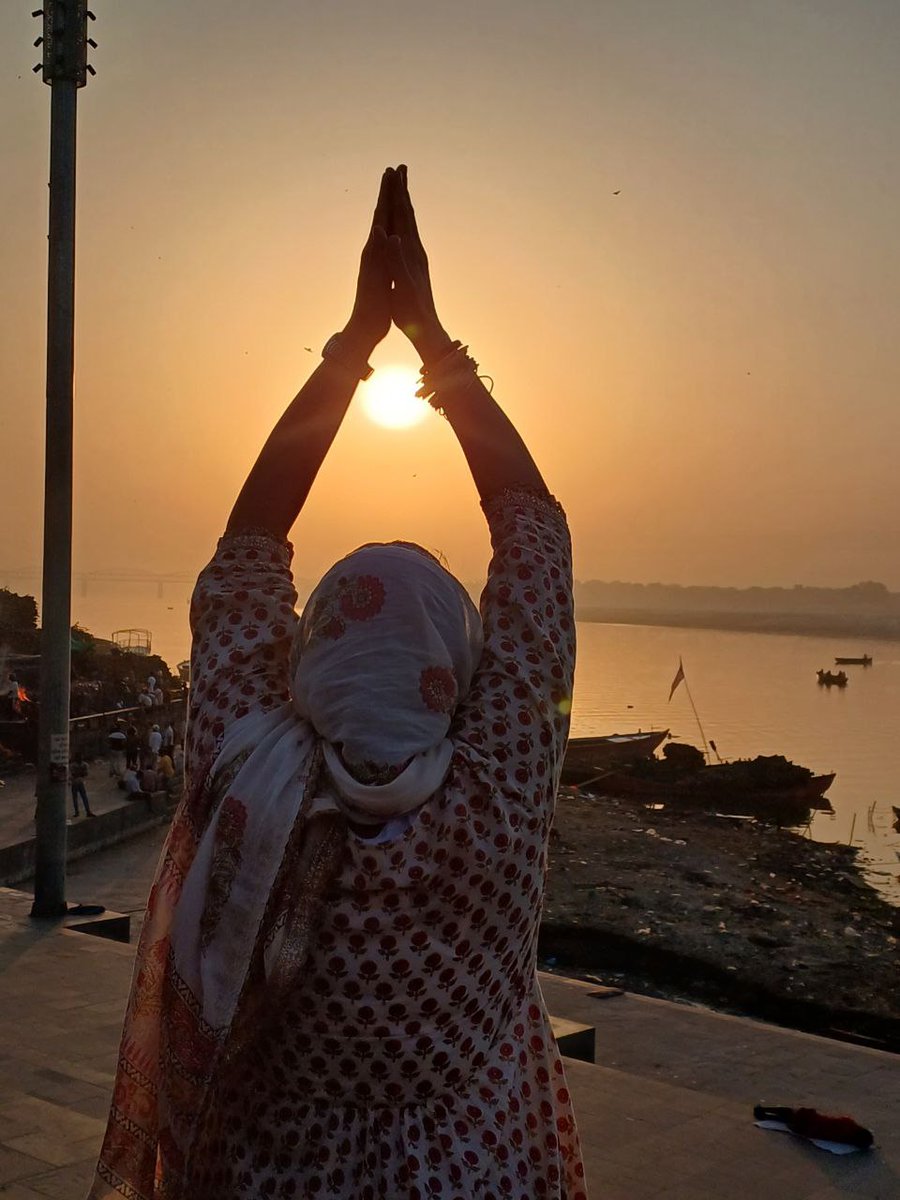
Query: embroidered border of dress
x=255, y=537
x=525, y=495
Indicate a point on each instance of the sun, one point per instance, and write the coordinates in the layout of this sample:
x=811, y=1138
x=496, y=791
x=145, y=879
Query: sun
x=389, y=398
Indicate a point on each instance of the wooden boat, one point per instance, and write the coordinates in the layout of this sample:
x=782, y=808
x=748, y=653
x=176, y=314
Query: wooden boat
x=768, y=786
x=864, y=661
x=698, y=788
x=589, y=757
x=831, y=678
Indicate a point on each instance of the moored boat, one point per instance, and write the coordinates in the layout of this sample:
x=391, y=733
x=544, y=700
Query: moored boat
x=767, y=787
x=588, y=757
x=864, y=661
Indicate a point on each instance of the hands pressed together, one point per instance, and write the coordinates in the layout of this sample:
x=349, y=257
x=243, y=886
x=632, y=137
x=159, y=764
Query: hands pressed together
x=394, y=284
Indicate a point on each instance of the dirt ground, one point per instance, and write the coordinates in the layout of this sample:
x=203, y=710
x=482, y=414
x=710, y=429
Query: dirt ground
x=743, y=916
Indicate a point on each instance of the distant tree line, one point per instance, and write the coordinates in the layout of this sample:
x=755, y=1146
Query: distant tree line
x=113, y=673
x=18, y=622
x=864, y=599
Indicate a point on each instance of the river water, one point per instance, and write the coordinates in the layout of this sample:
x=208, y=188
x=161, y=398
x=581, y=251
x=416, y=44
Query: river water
x=755, y=693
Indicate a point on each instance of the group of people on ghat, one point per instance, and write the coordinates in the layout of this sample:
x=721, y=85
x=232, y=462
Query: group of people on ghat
x=335, y=992
x=141, y=760
x=144, y=758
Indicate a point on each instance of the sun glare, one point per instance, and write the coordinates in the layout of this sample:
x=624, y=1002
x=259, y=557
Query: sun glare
x=389, y=398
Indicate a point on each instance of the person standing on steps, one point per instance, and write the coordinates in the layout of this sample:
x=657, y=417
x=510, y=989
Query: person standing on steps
x=78, y=772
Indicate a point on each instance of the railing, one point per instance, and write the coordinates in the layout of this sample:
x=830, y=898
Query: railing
x=90, y=734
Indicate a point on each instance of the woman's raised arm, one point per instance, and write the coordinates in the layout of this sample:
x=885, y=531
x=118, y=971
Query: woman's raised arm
x=494, y=450
x=277, y=486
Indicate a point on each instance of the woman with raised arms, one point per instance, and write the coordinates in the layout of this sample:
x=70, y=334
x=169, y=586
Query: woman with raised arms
x=335, y=992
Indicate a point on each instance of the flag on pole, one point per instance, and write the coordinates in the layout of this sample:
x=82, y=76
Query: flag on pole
x=679, y=675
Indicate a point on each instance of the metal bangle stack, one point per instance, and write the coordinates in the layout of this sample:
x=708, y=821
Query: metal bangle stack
x=456, y=370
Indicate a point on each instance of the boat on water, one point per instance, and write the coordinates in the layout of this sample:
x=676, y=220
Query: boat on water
x=588, y=757
x=864, y=661
x=768, y=787
x=831, y=678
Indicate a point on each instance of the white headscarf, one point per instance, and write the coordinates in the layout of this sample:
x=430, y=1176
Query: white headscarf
x=387, y=646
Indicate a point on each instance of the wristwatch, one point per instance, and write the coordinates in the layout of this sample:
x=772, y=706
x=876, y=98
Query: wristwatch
x=335, y=350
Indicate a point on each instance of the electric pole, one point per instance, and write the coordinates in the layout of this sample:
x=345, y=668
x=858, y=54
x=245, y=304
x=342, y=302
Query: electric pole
x=65, y=68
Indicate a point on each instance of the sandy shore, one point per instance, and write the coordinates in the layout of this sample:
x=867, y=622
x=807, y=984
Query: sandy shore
x=738, y=915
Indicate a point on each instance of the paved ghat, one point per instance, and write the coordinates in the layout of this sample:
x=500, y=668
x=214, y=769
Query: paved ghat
x=666, y=1114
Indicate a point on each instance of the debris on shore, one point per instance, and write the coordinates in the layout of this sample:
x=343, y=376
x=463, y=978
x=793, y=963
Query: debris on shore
x=733, y=913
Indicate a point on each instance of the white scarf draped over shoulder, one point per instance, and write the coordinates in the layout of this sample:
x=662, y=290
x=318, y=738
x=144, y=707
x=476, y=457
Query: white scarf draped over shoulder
x=385, y=649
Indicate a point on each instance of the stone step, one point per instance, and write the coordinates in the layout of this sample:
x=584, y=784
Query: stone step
x=574, y=1040
x=126, y=820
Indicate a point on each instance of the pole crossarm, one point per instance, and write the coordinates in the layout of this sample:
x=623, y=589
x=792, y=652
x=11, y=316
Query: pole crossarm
x=65, y=41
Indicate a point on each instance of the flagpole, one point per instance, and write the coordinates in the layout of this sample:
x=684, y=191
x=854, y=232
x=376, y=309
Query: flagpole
x=697, y=717
x=680, y=677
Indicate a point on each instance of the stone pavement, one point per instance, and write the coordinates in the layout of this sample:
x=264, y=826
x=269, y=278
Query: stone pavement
x=116, y=819
x=17, y=801
x=667, y=1115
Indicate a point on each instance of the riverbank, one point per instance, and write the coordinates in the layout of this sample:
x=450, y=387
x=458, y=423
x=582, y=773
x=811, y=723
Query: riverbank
x=743, y=917
x=855, y=627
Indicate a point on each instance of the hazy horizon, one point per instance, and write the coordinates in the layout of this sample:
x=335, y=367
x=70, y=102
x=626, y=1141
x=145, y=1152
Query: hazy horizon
x=666, y=229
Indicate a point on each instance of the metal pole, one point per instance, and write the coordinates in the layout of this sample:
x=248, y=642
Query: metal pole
x=53, y=734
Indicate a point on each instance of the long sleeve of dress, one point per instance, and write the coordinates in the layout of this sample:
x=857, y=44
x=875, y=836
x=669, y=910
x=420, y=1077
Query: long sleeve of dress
x=242, y=626
x=517, y=711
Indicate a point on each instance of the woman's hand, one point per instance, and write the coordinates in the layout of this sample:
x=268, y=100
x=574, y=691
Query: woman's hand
x=371, y=317
x=412, y=298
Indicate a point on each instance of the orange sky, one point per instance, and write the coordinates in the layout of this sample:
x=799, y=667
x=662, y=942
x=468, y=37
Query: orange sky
x=706, y=365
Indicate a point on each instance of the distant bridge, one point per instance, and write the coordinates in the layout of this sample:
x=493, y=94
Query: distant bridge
x=81, y=580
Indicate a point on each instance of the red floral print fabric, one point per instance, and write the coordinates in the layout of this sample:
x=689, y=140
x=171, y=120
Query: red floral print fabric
x=415, y=1058
x=438, y=689
x=225, y=865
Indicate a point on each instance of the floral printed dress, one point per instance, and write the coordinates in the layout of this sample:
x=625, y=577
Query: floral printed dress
x=414, y=1057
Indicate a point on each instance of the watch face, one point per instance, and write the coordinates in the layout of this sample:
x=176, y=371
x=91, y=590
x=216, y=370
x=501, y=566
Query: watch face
x=334, y=349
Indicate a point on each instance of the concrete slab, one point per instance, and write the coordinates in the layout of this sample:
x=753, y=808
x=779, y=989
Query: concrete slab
x=665, y=1114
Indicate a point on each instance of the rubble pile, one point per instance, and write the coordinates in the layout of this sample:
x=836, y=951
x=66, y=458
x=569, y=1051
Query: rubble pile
x=711, y=908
